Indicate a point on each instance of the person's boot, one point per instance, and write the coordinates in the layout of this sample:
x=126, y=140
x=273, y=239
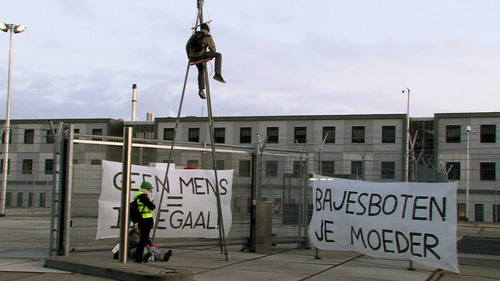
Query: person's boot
x=219, y=78
x=167, y=256
x=202, y=95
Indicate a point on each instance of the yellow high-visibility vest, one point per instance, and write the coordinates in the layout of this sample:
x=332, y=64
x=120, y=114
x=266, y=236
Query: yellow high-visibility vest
x=145, y=211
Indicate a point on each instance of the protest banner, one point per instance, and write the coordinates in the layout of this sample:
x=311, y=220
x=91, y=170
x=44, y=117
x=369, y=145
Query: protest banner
x=189, y=206
x=403, y=220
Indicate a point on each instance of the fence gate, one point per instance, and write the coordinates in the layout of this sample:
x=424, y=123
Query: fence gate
x=284, y=186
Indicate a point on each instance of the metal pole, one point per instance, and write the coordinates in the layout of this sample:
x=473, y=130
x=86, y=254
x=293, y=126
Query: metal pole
x=7, y=133
x=407, y=144
x=66, y=192
x=56, y=185
x=467, y=202
x=126, y=180
x=407, y=151
x=134, y=101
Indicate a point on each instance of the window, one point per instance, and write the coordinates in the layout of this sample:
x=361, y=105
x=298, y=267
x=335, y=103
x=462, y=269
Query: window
x=461, y=211
x=357, y=169
x=8, y=202
x=20, y=199
x=328, y=168
x=194, y=134
x=488, y=133
x=245, y=135
x=388, y=134
x=496, y=212
x=27, y=166
x=51, y=137
x=300, y=134
x=193, y=163
x=29, y=136
x=488, y=171
x=10, y=136
x=95, y=162
x=168, y=134
x=297, y=169
x=49, y=166
x=220, y=164
x=329, y=133
x=144, y=131
x=273, y=134
x=244, y=168
x=358, y=134
x=8, y=166
x=76, y=131
x=478, y=212
x=42, y=199
x=271, y=168
x=453, y=133
x=220, y=135
x=388, y=170
x=97, y=132
x=31, y=199
x=453, y=169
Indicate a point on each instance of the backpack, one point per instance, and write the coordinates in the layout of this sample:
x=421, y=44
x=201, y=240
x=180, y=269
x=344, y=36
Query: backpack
x=135, y=214
x=195, y=42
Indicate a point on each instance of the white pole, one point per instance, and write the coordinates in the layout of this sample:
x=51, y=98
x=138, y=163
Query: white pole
x=134, y=101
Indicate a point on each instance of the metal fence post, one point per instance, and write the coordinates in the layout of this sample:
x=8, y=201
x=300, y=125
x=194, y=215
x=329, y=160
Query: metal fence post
x=56, y=186
x=64, y=224
x=126, y=181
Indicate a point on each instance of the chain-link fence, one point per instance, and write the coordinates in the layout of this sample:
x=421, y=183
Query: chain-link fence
x=26, y=224
x=285, y=186
x=34, y=220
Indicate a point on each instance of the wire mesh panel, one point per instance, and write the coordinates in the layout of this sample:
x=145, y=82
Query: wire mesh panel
x=26, y=224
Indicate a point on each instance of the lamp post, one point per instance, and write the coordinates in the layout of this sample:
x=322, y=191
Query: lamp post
x=467, y=202
x=407, y=144
x=12, y=28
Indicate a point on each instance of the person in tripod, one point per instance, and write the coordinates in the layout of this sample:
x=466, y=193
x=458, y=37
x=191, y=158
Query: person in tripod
x=146, y=206
x=196, y=49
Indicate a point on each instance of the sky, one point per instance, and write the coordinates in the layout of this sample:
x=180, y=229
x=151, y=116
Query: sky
x=80, y=58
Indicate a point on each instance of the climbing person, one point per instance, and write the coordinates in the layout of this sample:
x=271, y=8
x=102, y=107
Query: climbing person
x=196, y=49
x=146, y=206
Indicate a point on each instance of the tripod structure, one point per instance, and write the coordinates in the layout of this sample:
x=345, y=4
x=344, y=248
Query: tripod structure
x=220, y=221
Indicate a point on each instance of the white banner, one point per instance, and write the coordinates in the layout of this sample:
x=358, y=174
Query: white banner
x=409, y=221
x=189, y=206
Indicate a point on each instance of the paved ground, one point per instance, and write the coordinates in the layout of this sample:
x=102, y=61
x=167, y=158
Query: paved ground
x=284, y=263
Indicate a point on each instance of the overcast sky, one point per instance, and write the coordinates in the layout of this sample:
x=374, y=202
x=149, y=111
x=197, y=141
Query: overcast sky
x=79, y=59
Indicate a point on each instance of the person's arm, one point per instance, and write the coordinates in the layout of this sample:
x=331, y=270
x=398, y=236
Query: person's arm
x=145, y=200
x=210, y=43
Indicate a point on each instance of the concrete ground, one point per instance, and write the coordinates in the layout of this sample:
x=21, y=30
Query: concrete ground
x=206, y=264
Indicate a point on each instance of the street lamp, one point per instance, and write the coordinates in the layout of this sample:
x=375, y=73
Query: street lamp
x=407, y=154
x=12, y=28
x=467, y=202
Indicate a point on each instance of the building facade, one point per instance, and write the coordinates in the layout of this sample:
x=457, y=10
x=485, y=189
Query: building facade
x=460, y=147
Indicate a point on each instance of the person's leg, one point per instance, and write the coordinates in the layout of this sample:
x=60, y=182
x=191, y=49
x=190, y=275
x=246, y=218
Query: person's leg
x=218, y=61
x=201, y=77
x=145, y=225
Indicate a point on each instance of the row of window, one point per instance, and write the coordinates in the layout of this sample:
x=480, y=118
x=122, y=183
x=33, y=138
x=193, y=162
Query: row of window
x=42, y=199
x=27, y=166
x=29, y=135
x=487, y=134
x=272, y=133
x=479, y=212
x=487, y=171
